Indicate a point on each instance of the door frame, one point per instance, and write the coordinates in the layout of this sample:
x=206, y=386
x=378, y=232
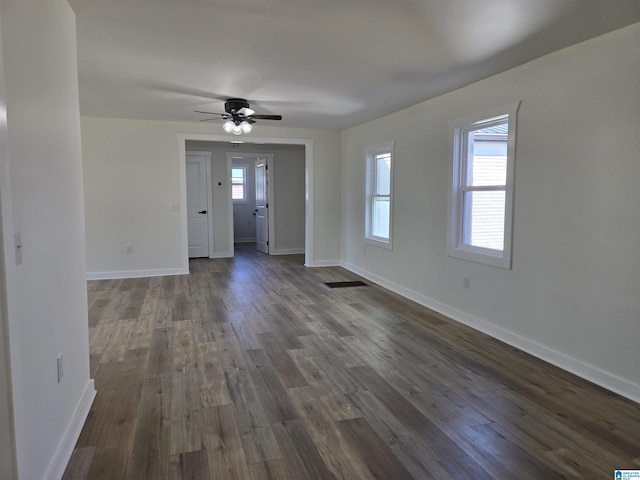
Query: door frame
x=269, y=159
x=309, y=193
x=207, y=164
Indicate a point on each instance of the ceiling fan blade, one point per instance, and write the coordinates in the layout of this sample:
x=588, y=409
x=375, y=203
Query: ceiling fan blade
x=210, y=119
x=267, y=117
x=208, y=113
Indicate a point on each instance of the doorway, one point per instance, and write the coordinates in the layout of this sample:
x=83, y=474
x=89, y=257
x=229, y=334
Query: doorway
x=262, y=206
x=198, y=204
x=243, y=196
x=251, y=191
x=222, y=191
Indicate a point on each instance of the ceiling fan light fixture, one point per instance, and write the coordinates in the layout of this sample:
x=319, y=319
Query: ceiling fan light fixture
x=239, y=116
x=228, y=126
x=237, y=127
x=246, y=127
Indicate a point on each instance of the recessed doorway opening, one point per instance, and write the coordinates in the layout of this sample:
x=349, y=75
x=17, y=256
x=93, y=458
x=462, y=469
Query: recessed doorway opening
x=290, y=228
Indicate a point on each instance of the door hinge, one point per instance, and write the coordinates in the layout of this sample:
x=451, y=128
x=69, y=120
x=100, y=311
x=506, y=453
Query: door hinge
x=267, y=243
x=267, y=206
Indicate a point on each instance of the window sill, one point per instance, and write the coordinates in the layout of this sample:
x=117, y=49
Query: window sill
x=498, y=260
x=387, y=245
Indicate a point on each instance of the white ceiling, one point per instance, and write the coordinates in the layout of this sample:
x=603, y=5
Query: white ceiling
x=319, y=63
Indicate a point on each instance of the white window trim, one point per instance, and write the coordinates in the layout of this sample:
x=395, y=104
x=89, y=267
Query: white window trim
x=455, y=247
x=370, y=154
x=244, y=200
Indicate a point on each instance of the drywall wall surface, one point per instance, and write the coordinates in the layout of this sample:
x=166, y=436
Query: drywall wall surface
x=288, y=199
x=132, y=177
x=572, y=293
x=42, y=201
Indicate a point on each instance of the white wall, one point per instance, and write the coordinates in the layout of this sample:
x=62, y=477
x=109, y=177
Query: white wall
x=287, y=175
x=42, y=198
x=131, y=175
x=572, y=295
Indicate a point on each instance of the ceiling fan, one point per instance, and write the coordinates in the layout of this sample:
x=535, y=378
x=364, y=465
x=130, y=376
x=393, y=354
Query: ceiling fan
x=239, y=116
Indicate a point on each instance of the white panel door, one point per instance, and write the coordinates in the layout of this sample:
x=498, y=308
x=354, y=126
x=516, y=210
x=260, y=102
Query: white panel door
x=197, y=207
x=262, y=206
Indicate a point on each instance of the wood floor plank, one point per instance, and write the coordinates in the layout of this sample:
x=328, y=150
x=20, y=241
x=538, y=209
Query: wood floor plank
x=251, y=368
x=518, y=462
x=221, y=440
x=299, y=451
x=413, y=450
x=115, y=440
x=287, y=370
x=271, y=470
x=150, y=451
x=191, y=466
x=272, y=394
x=252, y=420
x=465, y=467
x=79, y=464
x=212, y=383
x=410, y=416
x=335, y=402
x=378, y=458
x=341, y=458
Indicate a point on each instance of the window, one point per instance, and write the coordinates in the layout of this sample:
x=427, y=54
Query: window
x=379, y=193
x=482, y=186
x=239, y=184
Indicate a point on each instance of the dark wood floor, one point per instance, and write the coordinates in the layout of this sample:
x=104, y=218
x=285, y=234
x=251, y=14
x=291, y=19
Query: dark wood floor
x=251, y=368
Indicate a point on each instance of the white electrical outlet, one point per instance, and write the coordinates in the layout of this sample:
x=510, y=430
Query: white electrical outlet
x=60, y=368
x=128, y=248
x=465, y=282
x=175, y=207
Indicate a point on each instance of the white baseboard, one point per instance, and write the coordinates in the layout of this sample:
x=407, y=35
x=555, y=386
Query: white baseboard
x=287, y=251
x=136, y=273
x=221, y=255
x=325, y=263
x=65, y=448
x=606, y=380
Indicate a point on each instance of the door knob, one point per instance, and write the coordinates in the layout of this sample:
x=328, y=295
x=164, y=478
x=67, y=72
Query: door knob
x=202, y=211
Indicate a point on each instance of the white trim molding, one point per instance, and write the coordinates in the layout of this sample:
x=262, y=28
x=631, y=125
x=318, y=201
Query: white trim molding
x=461, y=156
x=115, y=275
x=308, y=156
x=371, y=154
x=325, y=263
x=67, y=444
x=228, y=254
x=287, y=251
